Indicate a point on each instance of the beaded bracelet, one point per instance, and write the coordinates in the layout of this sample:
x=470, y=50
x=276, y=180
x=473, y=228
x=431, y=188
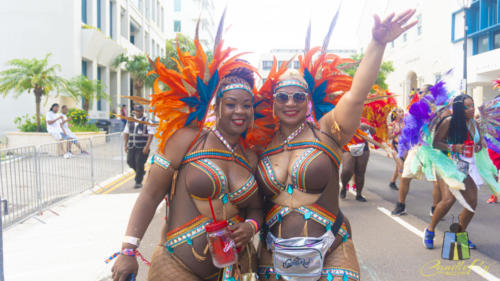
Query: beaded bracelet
x=254, y=224
x=128, y=252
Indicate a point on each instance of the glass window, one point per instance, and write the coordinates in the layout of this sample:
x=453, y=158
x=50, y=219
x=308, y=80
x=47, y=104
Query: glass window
x=99, y=25
x=177, y=26
x=84, y=11
x=392, y=44
x=482, y=44
x=405, y=37
x=281, y=62
x=153, y=10
x=296, y=64
x=492, y=12
x=111, y=19
x=99, y=73
x=177, y=5
x=419, y=25
x=162, y=20
x=496, y=40
x=267, y=64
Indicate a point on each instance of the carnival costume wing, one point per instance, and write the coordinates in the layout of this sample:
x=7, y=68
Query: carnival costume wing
x=377, y=108
x=190, y=88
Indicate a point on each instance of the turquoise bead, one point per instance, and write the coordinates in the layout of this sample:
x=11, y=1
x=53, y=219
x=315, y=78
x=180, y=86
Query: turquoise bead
x=329, y=277
x=170, y=249
x=328, y=227
x=289, y=189
x=345, y=238
x=345, y=278
x=307, y=215
x=224, y=198
x=189, y=241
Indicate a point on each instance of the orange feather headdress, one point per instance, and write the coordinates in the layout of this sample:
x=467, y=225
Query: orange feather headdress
x=192, y=87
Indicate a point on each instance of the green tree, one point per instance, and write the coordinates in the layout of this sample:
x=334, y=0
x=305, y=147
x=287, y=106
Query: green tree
x=138, y=66
x=385, y=69
x=185, y=44
x=26, y=75
x=81, y=87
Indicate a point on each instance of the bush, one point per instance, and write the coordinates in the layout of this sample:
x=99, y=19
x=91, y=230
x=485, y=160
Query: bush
x=27, y=123
x=84, y=128
x=79, y=117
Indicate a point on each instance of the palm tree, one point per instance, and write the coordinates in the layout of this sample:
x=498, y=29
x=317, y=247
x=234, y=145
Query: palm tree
x=32, y=75
x=88, y=90
x=138, y=66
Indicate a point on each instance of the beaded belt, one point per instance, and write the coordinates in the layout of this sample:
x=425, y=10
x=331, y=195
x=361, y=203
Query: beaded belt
x=314, y=212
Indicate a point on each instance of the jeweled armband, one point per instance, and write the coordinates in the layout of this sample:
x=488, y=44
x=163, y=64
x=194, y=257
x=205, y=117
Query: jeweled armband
x=159, y=160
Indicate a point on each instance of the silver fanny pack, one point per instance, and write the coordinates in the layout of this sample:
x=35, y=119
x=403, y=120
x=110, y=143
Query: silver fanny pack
x=357, y=149
x=299, y=258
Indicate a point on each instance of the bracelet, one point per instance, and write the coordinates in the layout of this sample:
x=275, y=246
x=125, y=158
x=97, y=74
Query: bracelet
x=254, y=224
x=131, y=240
x=128, y=252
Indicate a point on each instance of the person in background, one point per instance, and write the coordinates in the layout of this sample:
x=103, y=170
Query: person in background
x=67, y=134
x=138, y=137
x=123, y=112
x=53, y=120
x=395, y=128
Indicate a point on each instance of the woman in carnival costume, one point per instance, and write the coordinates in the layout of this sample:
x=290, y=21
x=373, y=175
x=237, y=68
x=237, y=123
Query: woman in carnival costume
x=493, y=151
x=196, y=167
x=395, y=127
x=461, y=161
x=307, y=236
x=432, y=105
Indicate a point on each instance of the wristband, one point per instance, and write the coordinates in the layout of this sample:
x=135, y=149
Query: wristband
x=128, y=252
x=132, y=240
x=254, y=224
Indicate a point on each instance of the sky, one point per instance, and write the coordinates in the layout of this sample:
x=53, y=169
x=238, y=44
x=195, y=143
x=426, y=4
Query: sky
x=261, y=25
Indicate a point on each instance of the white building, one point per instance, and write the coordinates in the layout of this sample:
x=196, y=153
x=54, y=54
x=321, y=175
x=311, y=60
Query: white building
x=84, y=36
x=427, y=51
x=284, y=55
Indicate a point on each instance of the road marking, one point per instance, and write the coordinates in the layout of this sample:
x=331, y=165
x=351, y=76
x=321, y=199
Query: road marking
x=402, y=222
x=119, y=184
x=483, y=273
x=104, y=188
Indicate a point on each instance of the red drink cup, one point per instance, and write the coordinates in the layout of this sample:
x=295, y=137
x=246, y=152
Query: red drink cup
x=468, y=148
x=221, y=245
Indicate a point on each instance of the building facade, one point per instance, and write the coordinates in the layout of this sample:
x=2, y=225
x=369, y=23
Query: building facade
x=426, y=52
x=284, y=55
x=84, y=37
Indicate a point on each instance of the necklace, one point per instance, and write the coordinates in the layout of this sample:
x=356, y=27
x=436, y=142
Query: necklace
x=223, y=140
x=294, y=134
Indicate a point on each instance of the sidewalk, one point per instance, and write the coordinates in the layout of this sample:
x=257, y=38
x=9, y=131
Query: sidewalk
x=71, y=246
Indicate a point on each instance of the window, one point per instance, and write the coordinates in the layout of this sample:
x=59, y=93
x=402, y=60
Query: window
x=84, y=73
x=281, y=62
x=392, y=44
x=405, y=37
x=491, y=6
x=148, y=4
x=158, y=12
x=267, y=64
x=111, y=19
x=153, y=10
x=177, y=5
x=99, y=77
x=482, y=44
x=296, y=64
x=84, y=11
x=177, y=26
x=162, y=19
x=419, y=25
x=496, y=40
x=99, y=24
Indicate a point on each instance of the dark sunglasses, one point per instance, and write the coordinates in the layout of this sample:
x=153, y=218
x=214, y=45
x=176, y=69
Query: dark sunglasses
x=283, y=97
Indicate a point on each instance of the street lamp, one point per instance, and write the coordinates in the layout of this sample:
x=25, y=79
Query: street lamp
x=466, y=5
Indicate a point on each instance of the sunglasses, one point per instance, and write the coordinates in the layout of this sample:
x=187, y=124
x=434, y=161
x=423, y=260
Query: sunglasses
x=283, y=97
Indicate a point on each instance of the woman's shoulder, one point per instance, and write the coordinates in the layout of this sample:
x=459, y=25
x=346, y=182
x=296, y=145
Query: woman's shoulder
x=181, y=140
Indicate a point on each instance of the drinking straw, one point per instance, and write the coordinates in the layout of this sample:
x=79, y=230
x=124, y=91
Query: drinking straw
x=211, y=208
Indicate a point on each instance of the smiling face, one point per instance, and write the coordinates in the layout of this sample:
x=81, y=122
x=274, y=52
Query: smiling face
x=293, y=111
x=469, y=108
x=234, y=112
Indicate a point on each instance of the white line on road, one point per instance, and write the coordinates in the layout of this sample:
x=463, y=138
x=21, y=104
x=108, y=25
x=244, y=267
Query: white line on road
x=402, y=222
x=483, y=273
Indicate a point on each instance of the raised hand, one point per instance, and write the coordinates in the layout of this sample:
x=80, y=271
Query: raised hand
x=391, y=28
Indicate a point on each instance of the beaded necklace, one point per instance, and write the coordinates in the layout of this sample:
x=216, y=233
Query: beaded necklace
x=294, y=134
x=223, y=140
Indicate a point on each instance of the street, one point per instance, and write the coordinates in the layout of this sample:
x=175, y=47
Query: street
x=386, y=249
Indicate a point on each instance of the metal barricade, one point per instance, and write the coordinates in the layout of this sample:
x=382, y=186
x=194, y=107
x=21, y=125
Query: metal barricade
x=34, y=177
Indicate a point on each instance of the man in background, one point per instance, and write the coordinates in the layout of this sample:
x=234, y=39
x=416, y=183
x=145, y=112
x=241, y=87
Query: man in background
x=137, y=137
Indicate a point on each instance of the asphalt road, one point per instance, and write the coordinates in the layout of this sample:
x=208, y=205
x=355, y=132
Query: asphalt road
x=386, y=249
